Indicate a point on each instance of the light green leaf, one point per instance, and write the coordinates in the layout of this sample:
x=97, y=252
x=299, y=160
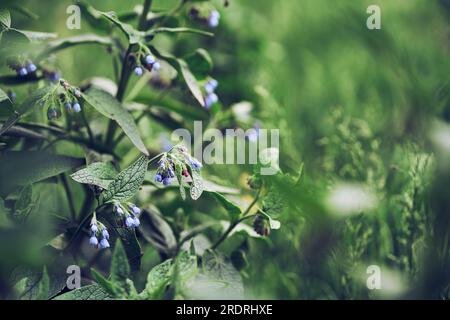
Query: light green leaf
x=105, y=283
x=5, y=20
x=98, y=173
x=33, y=36
x=218, y=279
x=107, y=105
x=180, y=30
x=127, y=182
x=90, y=292
x=196, y=186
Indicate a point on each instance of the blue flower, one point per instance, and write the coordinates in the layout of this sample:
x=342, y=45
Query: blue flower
x=31, y=67
x=136, y=222
x=195, y=164
x=211, y=99
x=135, y=209
x=22, y=72
x=68, y=106
x=94, y=228
x=93, y=241
x=156, y=66
x=54, y=76
x=129, y=222
x=105, y=233
x=138, y=71
x=118, y=209
x=77, y=93
x=211, y=85
x=171, y=173
x=104, y=243
x=158, y=177
x=150, y=59
x=213, y=19
x=166, y=181
x=76, y=107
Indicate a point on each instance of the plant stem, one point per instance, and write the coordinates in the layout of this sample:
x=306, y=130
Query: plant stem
x=143, y=18
x=236, y=222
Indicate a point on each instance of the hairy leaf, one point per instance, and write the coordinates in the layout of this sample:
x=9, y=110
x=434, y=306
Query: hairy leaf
x=120, y=270
x=233, y=210
x=90, y=292
x=98, y=173
x=127, y=182
x=107, y=105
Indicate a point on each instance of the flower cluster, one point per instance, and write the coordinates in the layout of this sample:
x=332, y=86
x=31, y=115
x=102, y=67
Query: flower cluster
x=129, y=212
x=98, y=231
x=23, y=69
x=148, y=62
x=178, y=156
x=213, y=19
x=69, y=99
x=210, y=95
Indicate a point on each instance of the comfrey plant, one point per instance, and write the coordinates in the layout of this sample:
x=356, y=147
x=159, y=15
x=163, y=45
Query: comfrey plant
x=91, y=132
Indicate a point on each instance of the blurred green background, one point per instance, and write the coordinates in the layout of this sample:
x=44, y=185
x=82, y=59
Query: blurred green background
x=359, y=108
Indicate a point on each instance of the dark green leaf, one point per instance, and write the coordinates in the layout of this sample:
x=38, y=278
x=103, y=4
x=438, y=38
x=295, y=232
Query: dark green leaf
x=180, y=30
x=200, y=63
x=120, y=270
x=233, y=210
x=25, y=167
x=107, y=105
x=127, y=182
x=98, y=173
x=105, y=283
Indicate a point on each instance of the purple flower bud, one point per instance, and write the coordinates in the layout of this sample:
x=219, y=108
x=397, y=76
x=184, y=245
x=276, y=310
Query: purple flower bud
x=136, y=222
x=150, y=59
x=166, y=181
x=68, y=106
x=11, y=96
x=118, y=209
x=31, y=68
x=52, y=113
x=105, y=233
x=138, y=71
x=104, y=243
x=93, y=241
x=77, y=93
x=22, y=72
x=76, y=107
x=129, y=222
x=135, y=209
x=211, y=99
x=158, y=177
x=94, y=228
x=171, y=173
x=156, y=66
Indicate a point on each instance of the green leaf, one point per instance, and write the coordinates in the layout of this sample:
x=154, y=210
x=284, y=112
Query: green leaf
x=196, y=186
x=127, y=182
x=179, y=174
x=107, y=105
x=200, y=63
x=25, y=167
x=157, y=231
x=183, y=70
x=4, y=221
x=44, y=286
x=218, y=279
x=187, y=111
x=233, y=210
x=160, y=276
x=5, y=20
x=179, y=30
x=105, y=283
x=90, y=292
x=134, y=36
x=33, y=36
x=23, y=205
x=68, y=42
x=25, y=107
x=120, y=270
x=98, y=173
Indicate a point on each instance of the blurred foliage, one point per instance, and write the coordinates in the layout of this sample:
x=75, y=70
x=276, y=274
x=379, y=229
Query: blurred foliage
x=364, y=154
